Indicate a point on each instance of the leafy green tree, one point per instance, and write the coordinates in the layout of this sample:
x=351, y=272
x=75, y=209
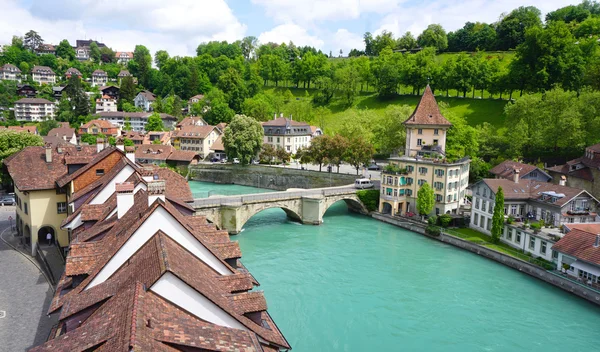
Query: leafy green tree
x=383, y=41
x=142, y=62
x=128, y=107
x=12, y=142
x=160, y=58
x=407, y=41
x=127, y=124
x=368, y=40
x=95, y=53
x=359, y=152
x=232, y=85
x=498, y=217
x=91, y=139
x=243, y=138
x=589, y=27
x=389, y=132
x=258, y=107
x=32, y=41
x=347, y=79
x=317, y=151
x=267, y=153
x=128, y=142
x=127, y=90
x=336, y=150
x=568, y=14
x=425, y=199
x=248, y=45
x=45, y=126
x=80, y=103
x=107, y=56
x=386, y=70
x=155, y=123
x=511, y=28
x=434, y=36
x=48, y=60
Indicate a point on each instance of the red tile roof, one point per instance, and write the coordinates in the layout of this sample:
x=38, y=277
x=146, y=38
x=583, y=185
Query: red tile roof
x=427, y=112
x=192, y=131
x=579, y=244
x=30, y=129
x=99, y=123
x=284, y=121
x=506, y=169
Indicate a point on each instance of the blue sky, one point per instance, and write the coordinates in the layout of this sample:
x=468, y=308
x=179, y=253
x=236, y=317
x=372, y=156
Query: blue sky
x=180, y=25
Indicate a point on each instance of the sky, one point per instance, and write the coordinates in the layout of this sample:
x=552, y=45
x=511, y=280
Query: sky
x=178, y=26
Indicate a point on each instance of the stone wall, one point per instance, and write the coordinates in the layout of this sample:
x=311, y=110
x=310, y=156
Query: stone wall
x=275, y=178
x=517, y=264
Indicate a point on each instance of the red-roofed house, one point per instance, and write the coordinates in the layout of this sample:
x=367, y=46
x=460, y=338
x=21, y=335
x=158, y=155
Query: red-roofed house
x=581, y=172
x=96, y=127
x=579, y=256
x=506, y=169
x=198, y=139
x=123, y=57
x=9, y=72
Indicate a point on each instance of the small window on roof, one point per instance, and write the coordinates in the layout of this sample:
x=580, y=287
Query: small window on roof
x=99, y=172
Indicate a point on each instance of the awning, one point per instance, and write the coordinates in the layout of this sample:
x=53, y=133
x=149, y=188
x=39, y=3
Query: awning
x=592, y=269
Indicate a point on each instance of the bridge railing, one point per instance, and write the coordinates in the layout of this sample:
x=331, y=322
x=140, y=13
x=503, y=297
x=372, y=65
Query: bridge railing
x=232, y=200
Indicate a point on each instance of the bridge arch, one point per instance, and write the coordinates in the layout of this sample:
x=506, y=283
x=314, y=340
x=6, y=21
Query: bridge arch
x=292, y=214
x=352, y=202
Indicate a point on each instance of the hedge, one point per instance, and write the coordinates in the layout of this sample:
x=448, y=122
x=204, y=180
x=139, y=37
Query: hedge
x=370, y=198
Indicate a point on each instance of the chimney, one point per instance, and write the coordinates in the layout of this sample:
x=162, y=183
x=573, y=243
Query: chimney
x=121, y=146
x=280, y=114
x=48, y=153
x=130, y=153
x=156, y=190
x=291, y=118
x=99, y=145
x=597, y=242
x=148, y=173
x=124, y=197
x=275, y=116
x=516, y=173
x=563, y=180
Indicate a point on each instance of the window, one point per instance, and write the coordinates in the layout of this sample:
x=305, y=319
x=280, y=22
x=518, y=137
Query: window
x=436, y=132
x=435, y=142
x=543, y=247
x=490, y=207
x=483, y=205
x=439, y=197
x=476, y=219
x=270, y=139
x=419, y=142
x=410, y=168
x=420, y=131
x=554, y=255
x=25, y=208
x=395, y=193
x=99, y=172
x=61, y=207
x=509, y=234
x=518, y=238
x=438, y=185
x=421, y=182
x=489, y=224
x=277, y=139
x=476, y=203
x=439, y=172
x=423, y=170
x=449, y=173
x=485, y=192
x=409, y=192
x=532, y=243
x=409, y=181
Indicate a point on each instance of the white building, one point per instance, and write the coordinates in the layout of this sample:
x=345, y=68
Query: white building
x=106, y=104
x=123, y=57
x=144, y=100
x=137, y=120
x=43, y=75
x=10, y=72
x=195, y=138
x=34, y=109
x=288, y=134
x=99, y=78
x=578, y=255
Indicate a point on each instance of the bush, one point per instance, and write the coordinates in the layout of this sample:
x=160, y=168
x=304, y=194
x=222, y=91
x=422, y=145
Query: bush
x=370, y=198
x=445, y=220
x=536, y=226
x=433, y=230
x=432, y=220
x=510, y=220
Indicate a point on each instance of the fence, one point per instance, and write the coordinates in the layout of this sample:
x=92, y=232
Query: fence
x=271, y=196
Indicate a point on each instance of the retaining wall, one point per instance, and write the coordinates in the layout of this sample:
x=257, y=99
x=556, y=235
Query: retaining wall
x=275, y=178
x=515, y=263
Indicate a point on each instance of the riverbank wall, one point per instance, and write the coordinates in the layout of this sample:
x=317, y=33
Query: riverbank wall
x=512, y=262
x=275, y=178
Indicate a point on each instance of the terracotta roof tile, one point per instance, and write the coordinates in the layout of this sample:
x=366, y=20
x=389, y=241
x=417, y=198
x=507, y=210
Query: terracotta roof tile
x=579, y=244
x=427, y=112
x=506, y=169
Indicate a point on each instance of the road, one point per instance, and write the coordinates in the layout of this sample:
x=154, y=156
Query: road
x=344, y=169
x=24, y=296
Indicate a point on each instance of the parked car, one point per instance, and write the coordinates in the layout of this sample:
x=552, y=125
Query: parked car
x=214, y=160
x=374, y=167
x=7, y=200
x=223, y=161
x=236, y=160
x=255, y=162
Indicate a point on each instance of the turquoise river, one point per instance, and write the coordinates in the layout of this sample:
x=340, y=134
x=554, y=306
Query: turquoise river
x=357, y=284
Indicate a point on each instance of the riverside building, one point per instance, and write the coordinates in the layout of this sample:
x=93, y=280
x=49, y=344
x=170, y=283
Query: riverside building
x=424, y=161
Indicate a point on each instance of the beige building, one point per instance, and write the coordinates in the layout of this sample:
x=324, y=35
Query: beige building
x=99, y=78
x=106, y=104
x=43, y=75
x=424, y=162
x=195, y=138
x=288, y=134
x=34, y=109
x=10, y=72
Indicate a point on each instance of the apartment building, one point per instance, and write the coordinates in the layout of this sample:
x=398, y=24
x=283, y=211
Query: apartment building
x=106, y=104
x=144, y=100
x=99, y=78
x=97, y=127
x=10, y=72
x=34, y=109
x=72, y=72
x=137, y=120
x=288, y=134
x=43, y=75
x=123, y=57
x=423, y=162
x=195, y=138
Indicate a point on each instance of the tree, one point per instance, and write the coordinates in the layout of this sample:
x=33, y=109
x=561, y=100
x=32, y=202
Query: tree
x=160, y=58
x=267, y=153
x=511, y=29
x=317, y=151
x=128, y=142
x=32, y=41
x=434, y=36
x=13, y=141
x=336, y=151
x=383, y=41
x=243, y=138
x=425, y=199
x=567, y=14
x=80, y=103
x=127, y=90
x=589, y=27
x=65, y=50
x=95, y=53
x=258, y=107
x=154, y=123
x=498, y=217
x=232, y=85
x=359, y=152
x=127, y=124
x=368, y=39
x=248, y=45
x=45, y=126
x=407, y=41
x=91, y=139
x=142, y=62
x=389, y=132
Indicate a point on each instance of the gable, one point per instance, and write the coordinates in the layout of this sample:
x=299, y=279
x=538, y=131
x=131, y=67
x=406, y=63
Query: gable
x=109, y=189
x=161, y=220
x=176, y=291
x=92, y=175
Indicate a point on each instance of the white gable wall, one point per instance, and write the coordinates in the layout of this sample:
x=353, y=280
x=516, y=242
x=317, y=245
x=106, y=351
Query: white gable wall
x=160, y=219
x=109, y=189
x=174, y=290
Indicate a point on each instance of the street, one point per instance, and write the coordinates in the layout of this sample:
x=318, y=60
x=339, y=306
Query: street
x=24, y=296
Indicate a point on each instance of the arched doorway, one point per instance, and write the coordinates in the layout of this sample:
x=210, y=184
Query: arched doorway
x=47, y=236
x=27, y=234
x=387, y=208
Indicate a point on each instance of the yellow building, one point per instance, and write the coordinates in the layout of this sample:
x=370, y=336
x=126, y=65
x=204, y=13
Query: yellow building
x=195, y=138
x=424, y=162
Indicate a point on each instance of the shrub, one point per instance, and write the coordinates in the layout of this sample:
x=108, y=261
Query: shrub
x=445, y=220
x=370, y=198
x=536, y=226
x=510, y=220
x=432, y=220
x=433, y=230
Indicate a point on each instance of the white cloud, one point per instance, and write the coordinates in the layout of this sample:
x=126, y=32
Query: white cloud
x=177, y=26
x=345, y=40
x=285, y=33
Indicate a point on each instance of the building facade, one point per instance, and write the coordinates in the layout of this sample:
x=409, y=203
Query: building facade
x=526, y=171
x=144, y=100
x=287, y=134
x=137, y=120
x=198, y=139
x=10, y=72
x=581, y=172
x=106, y=104
x=72, y=72
x=99, y=78
x=43, y=75
x=34, y=109
x=424, y=162
x=123, y=57
x=97, y=127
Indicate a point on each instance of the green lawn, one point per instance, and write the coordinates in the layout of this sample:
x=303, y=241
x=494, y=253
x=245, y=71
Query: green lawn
x=485, y=240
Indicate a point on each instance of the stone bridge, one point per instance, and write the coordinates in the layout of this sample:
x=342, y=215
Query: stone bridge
x=306, y=206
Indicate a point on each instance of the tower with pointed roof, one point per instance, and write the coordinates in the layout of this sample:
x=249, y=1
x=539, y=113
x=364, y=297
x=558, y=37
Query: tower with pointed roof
x=426, y=128
x=424, y=161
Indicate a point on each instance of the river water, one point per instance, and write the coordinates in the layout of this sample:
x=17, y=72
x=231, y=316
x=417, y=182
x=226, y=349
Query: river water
x=357, y=284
